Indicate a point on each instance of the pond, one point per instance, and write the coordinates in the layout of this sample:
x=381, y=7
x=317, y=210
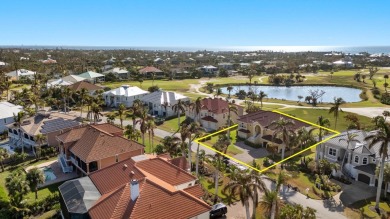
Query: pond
x=292, y=93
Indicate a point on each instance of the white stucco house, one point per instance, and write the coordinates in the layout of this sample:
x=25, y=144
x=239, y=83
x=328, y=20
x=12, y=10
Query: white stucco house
x=125, y=94
x=357, y=160
x=160, y=102
x=19, y=74
x=7, y=112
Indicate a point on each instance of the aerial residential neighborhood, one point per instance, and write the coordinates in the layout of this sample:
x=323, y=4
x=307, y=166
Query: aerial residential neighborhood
x=194, y=109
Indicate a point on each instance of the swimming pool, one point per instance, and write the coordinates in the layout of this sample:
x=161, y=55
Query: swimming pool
x=49, y=173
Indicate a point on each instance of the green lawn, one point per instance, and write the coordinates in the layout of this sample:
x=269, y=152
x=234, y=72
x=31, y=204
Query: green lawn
x=366, y=204
x=232, y=148
x=148, y=144
x=171, y=125
x=312, y=115
x=43, y=192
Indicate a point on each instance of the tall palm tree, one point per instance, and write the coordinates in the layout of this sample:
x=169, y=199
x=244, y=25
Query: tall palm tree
x=270, y=203
x=179, y=108
x=150, y=128
x=17, y=186
x=245, y=186
x=39, y=139
x=67, y=94
x=136, y=109
x=143, y=120
x=194, y=131
x=386, y=176
x=171, y=144
x=234, y=109
x=95, y=112
x=322, y=122
x=197, y=107
x=6, y=86
x=132, y=133
x=218, y=92
x=35, y=177
x=121, y=113
x=219, y=165
x=335, y=109
x=381, y=137
x=283, y=128
x=18, y=122
x=111, y=119
x=83, y=95
x=229, y=89
x=165, y=106
x=3, y=155
x=351, y=137
x=200, y=157
x=261, y=96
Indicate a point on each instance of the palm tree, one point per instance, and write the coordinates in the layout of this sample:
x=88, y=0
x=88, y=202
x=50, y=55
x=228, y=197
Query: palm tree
x=150, y=127
x=200, y=157
x=132, y=133
x=231, y=108
x=218, y=92
x=121, y=113
x=270, y=203
x=3, y=155
x=67, y=94
x=229, y=89
x=171, y=144
x=386, y=114
x=39, y=139
x=165, y=106
x=6, y=85
x=381, y=137
x=261, y=96
x=111, y=119
x=143, y=120
x=95, y=112
x=246, y=186
x=83, y=95
x=18, y=122
x=283, y=128
x=386, y=176
x=197, y=107
x=335, y=109
x=179, y=108
x=17, y=187
x=322, y=122
x=35, y=177
x=351, y=137
x=219, y=165
x=194, y=131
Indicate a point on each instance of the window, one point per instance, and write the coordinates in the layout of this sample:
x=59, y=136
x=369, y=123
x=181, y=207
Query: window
x=356, y=159
x=373, y=160
x=332, y=152
x=365, y=160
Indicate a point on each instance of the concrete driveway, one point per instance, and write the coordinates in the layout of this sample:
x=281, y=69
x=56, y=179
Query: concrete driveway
x=249, y=153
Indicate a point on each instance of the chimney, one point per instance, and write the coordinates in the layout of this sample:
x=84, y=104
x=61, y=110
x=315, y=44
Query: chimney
x=134, y=189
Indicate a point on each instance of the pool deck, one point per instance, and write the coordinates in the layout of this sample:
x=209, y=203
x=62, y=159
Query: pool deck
x=55, y=166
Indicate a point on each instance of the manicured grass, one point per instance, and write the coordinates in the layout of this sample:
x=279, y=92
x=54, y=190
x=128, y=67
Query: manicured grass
x=43, y=192
x=232, y=148
x=148, y=144
x=312, y=115
x=171, y=125
x=174, y=85
x=365, y=204
x=208, y=184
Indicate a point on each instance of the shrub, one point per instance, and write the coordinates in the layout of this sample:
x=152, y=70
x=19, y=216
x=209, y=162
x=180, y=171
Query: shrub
x=252, y=144
x=385, y=99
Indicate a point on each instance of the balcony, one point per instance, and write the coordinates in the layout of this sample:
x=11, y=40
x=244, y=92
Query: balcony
x=65, y=167
x=74, y=161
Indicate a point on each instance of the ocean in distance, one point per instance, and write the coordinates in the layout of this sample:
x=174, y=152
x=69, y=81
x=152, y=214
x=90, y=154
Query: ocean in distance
x=344, y=49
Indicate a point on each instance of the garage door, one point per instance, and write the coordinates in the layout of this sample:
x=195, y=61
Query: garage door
x=364, y=178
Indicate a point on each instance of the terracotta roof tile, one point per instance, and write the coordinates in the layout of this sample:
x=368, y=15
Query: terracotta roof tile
x=216, y=105
x=170, y=174
x=196, y=190
x=180, y=162
x=83, y=84
x=149, y=69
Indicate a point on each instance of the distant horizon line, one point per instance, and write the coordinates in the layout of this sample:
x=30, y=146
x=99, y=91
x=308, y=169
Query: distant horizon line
x=386, y=48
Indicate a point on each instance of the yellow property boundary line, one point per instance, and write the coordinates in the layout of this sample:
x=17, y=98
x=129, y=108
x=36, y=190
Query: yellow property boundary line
x=285, y=159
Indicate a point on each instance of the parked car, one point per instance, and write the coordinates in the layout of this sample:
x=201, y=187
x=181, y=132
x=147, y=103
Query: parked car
x=218, y=210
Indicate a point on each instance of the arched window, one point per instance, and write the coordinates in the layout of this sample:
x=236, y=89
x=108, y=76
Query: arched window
x=356, y=159
x=365, y=160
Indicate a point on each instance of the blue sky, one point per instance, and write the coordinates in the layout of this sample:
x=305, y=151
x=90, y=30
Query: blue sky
x=195, y=23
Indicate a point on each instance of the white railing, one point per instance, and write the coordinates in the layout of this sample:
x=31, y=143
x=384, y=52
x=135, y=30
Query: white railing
x=74, y=161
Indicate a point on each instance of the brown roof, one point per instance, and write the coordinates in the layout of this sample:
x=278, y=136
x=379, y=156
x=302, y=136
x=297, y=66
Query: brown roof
x=209, y=118
x=171, y=174
x=95, y=143
x=118, y=173
x=154, y=201
x=265, y=118
x=196, y=190
x=180, y=162
x=76, y=133
x=83, y=84
x=215, y=105
x=149, y=69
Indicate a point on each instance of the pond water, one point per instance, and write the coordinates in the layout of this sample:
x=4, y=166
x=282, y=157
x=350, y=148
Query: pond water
x=292, y=93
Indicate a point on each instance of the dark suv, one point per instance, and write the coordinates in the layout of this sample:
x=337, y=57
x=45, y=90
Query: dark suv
x=218, y=210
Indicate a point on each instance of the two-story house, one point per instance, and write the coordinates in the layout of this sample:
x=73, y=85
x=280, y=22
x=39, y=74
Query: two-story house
x=47, y=123
x=160, y=102
x=255, y=127
x=357, y=160
x=214, y=113
x=152, y=72
x=139, y=187
x=7, y=113
x=93, y=147
x=124, y=94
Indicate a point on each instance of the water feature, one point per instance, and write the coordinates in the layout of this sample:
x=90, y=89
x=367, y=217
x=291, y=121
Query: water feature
x=292, y=93
x=49, y=174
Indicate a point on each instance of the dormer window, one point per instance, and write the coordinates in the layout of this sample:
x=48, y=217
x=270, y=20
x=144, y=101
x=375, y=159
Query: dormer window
x=365, y=160
x=356, y=159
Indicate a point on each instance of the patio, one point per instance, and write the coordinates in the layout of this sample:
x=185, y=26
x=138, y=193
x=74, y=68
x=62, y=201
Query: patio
x=56, y=167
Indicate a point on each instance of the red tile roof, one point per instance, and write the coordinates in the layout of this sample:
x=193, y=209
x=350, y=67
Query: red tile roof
x=265, y=118
x=215, y=105
x=210, y=119
x=149, y=69
x=171, y=174
x=76, y=133
x=196, y=190
x=180, y=162
x=83, y=84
